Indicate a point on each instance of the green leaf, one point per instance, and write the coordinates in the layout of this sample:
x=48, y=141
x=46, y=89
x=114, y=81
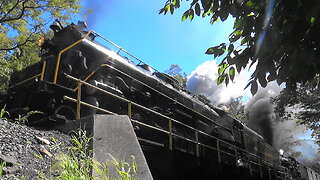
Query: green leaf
x=234, y=38
x=222, y=67
x=223, y=15
x=191, y=14
x=177, y=3
x=197, y=9
x=185, y=15
x=220, y=79
x=250, y=3
x=217, y=50
x=226, y=80
x=220, y=70
x=213, y=19
x=232, y=73
x=237, y=32
x=254, y=87
x=230, y=48
x=161, y=10
x=272, y=76
x=243, y=41
x=210, y=50
x=262, y=80
x=312, y=19
x=206, y=5
x=171, y=8
x=238, y=23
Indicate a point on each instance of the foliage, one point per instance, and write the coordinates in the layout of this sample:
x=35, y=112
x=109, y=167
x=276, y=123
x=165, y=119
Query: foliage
x=301, y=103
x=21, y=25
x=176, y=72
x=3, y=113
x=281, y=37
x=288, y=145
x=2, y=165
x=78, y=164
x=236, y=109
x=23, y=119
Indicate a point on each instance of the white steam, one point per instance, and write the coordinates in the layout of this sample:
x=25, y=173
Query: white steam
x=203, y=81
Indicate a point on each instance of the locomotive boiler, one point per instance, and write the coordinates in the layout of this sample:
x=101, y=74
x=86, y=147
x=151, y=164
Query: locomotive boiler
x=77, y=77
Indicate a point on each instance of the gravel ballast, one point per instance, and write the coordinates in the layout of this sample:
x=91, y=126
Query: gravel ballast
x=29, y=151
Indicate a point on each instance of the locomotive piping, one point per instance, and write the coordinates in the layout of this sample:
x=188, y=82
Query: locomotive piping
x=64, y=50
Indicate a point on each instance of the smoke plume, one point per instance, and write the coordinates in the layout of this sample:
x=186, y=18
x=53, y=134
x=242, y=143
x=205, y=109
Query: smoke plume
x=281, y=134
x=261, y=112
x=94, y=11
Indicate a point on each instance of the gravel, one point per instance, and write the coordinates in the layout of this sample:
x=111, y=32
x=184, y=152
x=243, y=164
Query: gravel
x=26, y=150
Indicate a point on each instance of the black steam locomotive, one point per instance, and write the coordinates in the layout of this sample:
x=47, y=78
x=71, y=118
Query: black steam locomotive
x=77, y=77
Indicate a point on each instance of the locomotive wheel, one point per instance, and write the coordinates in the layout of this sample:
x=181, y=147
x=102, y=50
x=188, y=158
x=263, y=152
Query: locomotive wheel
x=65, y=112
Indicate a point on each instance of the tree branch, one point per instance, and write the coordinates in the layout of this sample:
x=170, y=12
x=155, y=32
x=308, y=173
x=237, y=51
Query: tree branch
x=17, y=17
x=18, y=45
x=5, y=16
x=28, y=39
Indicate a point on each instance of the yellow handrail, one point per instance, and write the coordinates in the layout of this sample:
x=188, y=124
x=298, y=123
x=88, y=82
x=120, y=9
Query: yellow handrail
x=169, y=132
x=43, y=70
x=64, y=50
x=25, y=80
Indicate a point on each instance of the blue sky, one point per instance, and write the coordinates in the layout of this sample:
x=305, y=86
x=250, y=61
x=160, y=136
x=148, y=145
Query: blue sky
x=156, y=39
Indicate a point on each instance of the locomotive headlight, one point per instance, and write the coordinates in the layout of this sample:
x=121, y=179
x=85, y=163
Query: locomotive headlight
x=41, y=41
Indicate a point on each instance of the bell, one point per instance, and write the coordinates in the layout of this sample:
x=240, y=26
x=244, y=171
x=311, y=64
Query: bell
x=55, y=26
x=82, y=24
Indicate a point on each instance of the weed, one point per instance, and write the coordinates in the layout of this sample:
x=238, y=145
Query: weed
x=78, y=164
x=2, y=165
x=55, y=145
x=38, y=156
x=23, y=119
x=3, y=113
x=125, y=170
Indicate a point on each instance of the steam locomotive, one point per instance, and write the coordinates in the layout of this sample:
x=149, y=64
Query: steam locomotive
x=77, y=77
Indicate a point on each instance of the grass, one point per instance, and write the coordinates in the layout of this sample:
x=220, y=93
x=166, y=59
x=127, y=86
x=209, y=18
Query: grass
x=23, y=119
x=2, y=165
x=3, y=113
x=78, y=164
